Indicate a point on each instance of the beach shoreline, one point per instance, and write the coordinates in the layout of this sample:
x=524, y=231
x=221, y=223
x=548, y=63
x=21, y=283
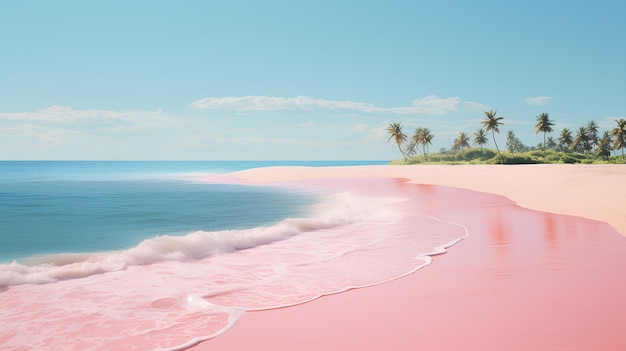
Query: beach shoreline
x=519, y=282
x=589, y=191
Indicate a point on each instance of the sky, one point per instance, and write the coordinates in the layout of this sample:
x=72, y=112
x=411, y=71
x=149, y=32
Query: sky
x=297, y=80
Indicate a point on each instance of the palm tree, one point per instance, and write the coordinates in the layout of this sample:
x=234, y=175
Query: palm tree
x=491, y=123
x=592, y=132
x=424, y=137
x=480, y=138
x=565, y=139
x=551, y=144
x=513, y=144
x=427, y=140
x=604, y=146
x=544, y=124
x=395, y=133
x=619, y=135
x=461, y=142
x=581, y=141
x=410, y=149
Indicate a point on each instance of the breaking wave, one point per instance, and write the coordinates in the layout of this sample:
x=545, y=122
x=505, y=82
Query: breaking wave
x=337, y=210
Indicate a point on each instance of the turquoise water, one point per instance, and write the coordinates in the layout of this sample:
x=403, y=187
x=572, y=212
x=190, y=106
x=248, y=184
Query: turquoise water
x=54, y=207
x=46, y=170
x=153, y=256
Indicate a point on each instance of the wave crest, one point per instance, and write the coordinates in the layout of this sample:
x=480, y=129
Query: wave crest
x=336, y=210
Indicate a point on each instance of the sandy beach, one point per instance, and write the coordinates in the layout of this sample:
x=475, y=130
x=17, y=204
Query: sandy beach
x=540, y=272
x=590, y=191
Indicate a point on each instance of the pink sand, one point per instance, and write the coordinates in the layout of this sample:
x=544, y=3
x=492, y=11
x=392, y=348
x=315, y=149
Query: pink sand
x=523, y=280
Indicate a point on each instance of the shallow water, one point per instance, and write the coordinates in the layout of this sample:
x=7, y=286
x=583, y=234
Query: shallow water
x=169, y=292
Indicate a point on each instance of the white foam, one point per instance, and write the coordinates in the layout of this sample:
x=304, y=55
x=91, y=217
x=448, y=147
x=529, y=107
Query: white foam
x=336, y=210
x=169, y=293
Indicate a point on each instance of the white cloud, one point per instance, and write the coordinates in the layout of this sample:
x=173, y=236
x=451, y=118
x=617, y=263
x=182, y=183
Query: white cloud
x=538, y=100
x=272, y=103
x=45, y=136
x=475, y=106
x=66, y=132
x=609, y=122
x=67, y=114
x=429, y=105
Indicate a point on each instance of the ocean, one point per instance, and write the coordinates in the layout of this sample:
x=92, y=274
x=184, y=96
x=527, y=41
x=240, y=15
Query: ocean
x=56, y=207
x=161, y=255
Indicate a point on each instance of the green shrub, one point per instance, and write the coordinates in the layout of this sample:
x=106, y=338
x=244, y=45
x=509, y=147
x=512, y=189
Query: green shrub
x=488, y=156
x=475, y=154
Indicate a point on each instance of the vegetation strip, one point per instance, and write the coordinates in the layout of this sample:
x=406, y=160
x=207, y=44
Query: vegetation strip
x=585, y=147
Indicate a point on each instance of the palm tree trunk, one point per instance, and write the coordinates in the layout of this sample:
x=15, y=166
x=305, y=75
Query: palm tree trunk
x=402, y=152
x=493, y=134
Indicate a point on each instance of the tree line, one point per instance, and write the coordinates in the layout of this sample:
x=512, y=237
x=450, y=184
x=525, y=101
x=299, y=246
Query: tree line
x=585, y=140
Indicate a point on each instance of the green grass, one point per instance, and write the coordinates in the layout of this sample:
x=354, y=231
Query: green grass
x=488, y=156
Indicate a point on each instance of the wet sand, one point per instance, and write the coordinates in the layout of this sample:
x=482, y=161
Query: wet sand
x=523, y=280
x=590, y=191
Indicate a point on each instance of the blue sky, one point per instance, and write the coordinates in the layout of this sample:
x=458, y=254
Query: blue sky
x=279, y=80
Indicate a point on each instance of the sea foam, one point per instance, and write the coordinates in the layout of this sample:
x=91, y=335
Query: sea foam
x=336, y=210
x=170, y=292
